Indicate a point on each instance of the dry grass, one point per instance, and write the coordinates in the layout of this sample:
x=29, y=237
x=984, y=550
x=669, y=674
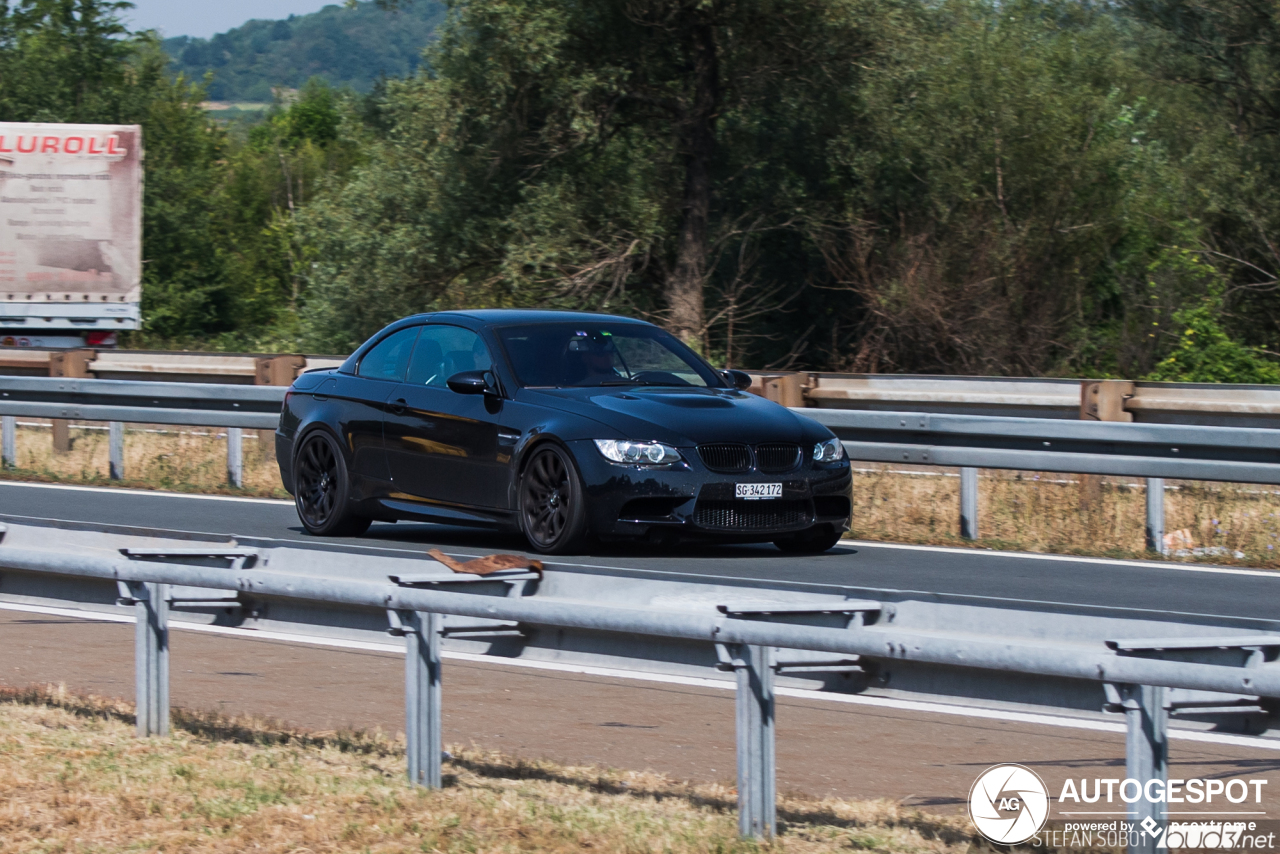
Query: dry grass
x=74, y=779
x=186, y=459
x=1061, y=514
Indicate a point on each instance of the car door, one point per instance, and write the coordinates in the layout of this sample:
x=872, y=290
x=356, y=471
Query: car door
x=363, y=400
x=442, y=446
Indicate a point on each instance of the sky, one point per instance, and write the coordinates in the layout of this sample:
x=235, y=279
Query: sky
x=204, y=18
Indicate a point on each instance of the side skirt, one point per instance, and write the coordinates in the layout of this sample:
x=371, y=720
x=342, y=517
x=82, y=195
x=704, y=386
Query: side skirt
x=470, y=517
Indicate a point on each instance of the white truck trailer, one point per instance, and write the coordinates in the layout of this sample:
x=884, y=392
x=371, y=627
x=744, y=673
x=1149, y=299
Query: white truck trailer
x=70, y=234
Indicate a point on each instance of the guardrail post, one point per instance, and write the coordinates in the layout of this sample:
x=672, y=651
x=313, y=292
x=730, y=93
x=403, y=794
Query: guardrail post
x=61, y=430
x=422, y=693
x=9, y=441
x=67, y=363
x=151, y=658
x=235, y=457
x=422, y=697
x=757, y=807
x=1155, y=514
x=115, y=442
x=969, y=503
x=1146, y=756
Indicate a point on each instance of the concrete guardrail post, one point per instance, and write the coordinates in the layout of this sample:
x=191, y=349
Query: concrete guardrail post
x=757, y=778
x=422, y=697
x=1146, y=758
x=1155, y=514
x=8, y=441
x=115, y=442
x=235, y=457
x=969, y=503
x=151, y=657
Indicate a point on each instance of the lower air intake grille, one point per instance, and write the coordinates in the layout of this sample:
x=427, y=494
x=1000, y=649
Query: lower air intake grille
x=725, y=457
x=777, y=458
x=771, y=515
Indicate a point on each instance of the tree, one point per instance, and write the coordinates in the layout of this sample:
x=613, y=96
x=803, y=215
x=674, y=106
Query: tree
x=1223, y=60
x=1005, y=199
x=66, y=60
x=598, y=153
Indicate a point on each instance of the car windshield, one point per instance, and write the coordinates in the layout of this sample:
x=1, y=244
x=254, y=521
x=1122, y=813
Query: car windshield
x=558, y=355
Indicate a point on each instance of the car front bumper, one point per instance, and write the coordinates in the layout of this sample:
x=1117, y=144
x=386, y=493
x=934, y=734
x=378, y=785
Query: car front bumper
x=686, y=499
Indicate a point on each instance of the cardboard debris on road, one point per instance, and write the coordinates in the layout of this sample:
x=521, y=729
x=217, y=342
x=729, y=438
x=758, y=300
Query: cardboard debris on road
x=487, y=565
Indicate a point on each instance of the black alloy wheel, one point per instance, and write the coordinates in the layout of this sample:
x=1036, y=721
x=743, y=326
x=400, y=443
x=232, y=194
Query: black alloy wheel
x=553, y=513
x=322, y=489
x=816, y=540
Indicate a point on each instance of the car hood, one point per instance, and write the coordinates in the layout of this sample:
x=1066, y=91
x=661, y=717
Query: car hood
x=681, y=416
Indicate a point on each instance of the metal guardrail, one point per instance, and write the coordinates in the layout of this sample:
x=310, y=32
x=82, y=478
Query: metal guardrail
x=118, y=402
x=1230, y=454
x=166, y=366
x=192, y=404
x=1150, y=450
x=1144, y=450
x=1141, y=664
x=1029, y=397
x=1204, y=404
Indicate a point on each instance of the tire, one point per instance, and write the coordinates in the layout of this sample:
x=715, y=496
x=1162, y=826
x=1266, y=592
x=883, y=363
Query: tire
x=816, y=540
x=553, y=507
x=322, y=489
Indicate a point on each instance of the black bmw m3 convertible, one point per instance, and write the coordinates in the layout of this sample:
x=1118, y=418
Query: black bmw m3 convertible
x=567, y=427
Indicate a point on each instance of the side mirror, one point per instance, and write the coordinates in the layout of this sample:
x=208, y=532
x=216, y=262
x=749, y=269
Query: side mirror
x=470, y=382
x=740, y=380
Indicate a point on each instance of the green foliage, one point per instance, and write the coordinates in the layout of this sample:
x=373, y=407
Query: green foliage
x=1221, y=61
x=73, y=61
x=220, y=261
x=345, y=46
x=254, y=188
x=1206, y=354
x=546, y=159
x=70, y=61
x=1005, y=196
x=185, y=287
x=960, y=186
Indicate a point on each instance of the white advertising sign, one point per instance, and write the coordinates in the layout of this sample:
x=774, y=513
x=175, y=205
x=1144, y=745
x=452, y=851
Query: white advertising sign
x=70, y=216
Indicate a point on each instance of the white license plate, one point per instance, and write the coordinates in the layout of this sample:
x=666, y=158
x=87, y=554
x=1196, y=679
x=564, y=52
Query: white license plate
x=758, y=491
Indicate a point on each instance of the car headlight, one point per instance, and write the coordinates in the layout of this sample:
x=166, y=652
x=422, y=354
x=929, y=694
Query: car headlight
x=828, y=451
x=639, y=453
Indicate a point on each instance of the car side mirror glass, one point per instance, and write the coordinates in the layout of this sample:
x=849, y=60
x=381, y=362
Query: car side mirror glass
x=470, y=382
x=740, y=380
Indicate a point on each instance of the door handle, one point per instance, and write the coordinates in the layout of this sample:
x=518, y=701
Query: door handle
x=398, y=406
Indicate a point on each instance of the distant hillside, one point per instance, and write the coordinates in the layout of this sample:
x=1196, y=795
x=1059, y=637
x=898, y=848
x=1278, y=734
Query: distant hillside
x=344, y=46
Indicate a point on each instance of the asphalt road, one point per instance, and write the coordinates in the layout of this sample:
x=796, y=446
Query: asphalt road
x=1156, y=586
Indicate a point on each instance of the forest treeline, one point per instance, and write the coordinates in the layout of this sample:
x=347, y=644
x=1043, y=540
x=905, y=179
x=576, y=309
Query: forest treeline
x=1009, y=187
x=345, y=46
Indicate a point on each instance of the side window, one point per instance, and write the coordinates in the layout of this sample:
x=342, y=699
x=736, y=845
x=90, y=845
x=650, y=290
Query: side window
x=390, y=356
x=443, y=351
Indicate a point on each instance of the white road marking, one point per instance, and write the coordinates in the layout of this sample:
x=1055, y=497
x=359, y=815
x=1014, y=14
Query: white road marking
x=159, y=493
x=1141, y=564
x=670, y=679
